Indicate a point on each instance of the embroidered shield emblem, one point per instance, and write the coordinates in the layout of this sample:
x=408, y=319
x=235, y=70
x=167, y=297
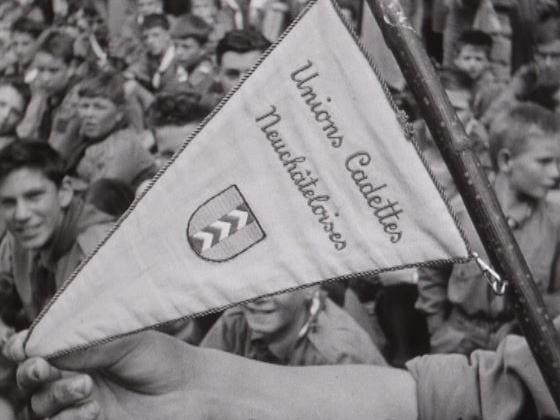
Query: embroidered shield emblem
x=224, y=227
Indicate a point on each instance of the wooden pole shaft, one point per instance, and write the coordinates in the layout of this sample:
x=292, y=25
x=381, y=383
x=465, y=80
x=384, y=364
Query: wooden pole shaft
x=478, y=195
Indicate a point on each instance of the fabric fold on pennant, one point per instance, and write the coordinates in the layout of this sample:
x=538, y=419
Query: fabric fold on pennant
x=303, y=174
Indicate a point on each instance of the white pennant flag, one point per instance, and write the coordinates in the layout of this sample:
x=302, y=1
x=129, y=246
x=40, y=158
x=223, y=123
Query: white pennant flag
x=304, y=174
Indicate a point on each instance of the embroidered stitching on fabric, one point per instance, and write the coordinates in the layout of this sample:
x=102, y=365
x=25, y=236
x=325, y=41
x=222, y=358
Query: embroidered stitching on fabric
x=407, y=130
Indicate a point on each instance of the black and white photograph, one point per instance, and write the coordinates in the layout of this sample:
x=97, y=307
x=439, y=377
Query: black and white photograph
x=279, y=209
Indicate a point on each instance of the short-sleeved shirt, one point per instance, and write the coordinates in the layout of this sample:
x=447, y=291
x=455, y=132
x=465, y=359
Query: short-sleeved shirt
x=335, y=338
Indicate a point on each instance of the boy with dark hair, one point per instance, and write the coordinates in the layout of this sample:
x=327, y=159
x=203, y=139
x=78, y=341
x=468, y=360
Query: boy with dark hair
x=49, y=232
x=25, y=33
x=51, y=110
x=23, y=36
x=472, y=51
x=159, y=68
x=472, y=57
x=241, y=41
x=236, y=53
x=463, y=313
x=190, y=35
x=547, y=40
x=173, y=117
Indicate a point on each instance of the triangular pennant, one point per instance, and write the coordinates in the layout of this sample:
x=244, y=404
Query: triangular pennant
x=304, y=174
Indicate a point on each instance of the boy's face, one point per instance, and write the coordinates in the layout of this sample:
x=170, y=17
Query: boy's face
x=23, y=45
x=12, y=108
x=273, y=316
x=32, y=206
x=53, y=74
x=548, y=55
x=472, y=61
x=157, y=40
x=170, y=138
x=235, y=65
x=534, y=171
x=99, y=116
x=148, y=7
x=187, y=49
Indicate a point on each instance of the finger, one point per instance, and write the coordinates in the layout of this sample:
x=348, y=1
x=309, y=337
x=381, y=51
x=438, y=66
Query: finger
x=88, y=411
x=36, y=372
x=14, y=347
x=61, y=394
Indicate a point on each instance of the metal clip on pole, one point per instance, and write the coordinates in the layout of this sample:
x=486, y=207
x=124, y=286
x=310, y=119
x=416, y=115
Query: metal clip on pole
x=494, y=280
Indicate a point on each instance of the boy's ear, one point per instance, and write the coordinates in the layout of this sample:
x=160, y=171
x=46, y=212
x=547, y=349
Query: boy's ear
x=65, y=192
x=504, y=160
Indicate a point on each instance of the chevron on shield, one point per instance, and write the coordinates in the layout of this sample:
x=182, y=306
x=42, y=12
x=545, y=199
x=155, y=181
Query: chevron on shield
x=223, y=227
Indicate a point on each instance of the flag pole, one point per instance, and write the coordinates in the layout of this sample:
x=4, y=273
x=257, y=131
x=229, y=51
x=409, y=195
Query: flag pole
x=478, y=195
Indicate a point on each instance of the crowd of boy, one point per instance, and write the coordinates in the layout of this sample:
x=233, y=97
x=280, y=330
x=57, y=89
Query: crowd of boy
x=88, y=116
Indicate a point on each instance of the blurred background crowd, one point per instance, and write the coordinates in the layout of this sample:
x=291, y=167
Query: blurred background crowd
x=97, y=95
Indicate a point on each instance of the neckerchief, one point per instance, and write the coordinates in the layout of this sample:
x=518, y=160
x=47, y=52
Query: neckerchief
x=261, y=350
x=166, y=61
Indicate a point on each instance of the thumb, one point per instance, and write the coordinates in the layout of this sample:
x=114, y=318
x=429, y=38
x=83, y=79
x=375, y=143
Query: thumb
x=14, y=347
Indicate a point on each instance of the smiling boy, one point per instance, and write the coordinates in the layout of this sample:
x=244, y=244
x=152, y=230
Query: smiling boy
x=49, y=230
x=463, y=313
x=298, y=328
